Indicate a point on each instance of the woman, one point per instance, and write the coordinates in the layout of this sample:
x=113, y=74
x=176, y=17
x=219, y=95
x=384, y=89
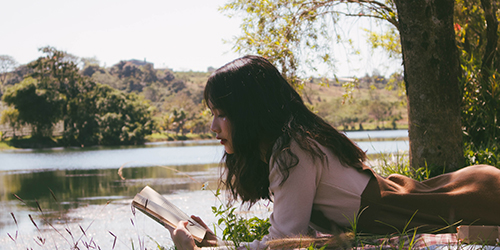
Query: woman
x=277, y=149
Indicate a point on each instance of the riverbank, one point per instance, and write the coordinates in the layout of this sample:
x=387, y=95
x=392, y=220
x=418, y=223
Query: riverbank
x=5, y=146
x=27, y=142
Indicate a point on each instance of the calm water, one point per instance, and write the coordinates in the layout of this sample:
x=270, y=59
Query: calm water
x=73, y=186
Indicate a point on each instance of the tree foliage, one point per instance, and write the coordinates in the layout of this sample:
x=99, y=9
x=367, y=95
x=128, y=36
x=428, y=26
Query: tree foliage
x=92, y=113
x=36, y=105
x=295, y=33
x=7, y=64
x=389, y=41
x=10, y=116
x=477, y=31
x=164, y=89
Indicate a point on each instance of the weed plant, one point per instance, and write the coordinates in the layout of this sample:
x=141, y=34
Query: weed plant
x=74, y=240
x=489, y=154
x=398, y=163
x=236, y=228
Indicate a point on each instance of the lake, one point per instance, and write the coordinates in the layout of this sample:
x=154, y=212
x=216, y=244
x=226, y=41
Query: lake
x=84, y=200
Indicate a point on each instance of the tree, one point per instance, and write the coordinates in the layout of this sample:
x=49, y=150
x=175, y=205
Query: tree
x=10, y=116
x=90, y=69
x=283, y=31
x=148, y=74
x=121, y=118
x=106, y=116
x=381, y=111
x=58, y=73
x=7, y=64
x=17, y=75
x=177, y=120
x=36, y=106
x=431, y=66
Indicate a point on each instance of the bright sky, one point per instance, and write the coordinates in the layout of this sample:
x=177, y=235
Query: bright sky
x=182, y=35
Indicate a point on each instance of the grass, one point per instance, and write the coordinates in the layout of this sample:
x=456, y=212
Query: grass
x=237, y=229
x=397, y=163
x=368, y=126
x=4, y=146
x=168, y=136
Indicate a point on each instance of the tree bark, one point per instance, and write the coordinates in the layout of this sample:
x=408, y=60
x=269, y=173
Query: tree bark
x=431, y=71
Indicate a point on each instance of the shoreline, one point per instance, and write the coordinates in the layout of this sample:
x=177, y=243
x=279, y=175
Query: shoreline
x=185, y=140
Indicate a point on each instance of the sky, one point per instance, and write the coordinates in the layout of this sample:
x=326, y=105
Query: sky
x=181, y=35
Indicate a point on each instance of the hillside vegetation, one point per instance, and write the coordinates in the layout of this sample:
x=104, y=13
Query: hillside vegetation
x=172, y=101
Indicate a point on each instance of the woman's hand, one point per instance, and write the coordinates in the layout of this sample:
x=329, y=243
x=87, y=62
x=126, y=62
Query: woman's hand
x=210, y=240
x=182, y=238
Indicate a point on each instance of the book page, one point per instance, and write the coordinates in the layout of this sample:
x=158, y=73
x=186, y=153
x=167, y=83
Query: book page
x=155, y=205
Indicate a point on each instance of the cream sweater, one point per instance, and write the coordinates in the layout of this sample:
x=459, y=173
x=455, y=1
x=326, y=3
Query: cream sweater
x=328, y=187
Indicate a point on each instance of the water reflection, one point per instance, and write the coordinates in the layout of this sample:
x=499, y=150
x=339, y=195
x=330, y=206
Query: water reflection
x=62, y=190
x=102, y=184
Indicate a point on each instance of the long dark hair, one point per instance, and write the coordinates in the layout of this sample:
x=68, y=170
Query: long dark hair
x=264, y=110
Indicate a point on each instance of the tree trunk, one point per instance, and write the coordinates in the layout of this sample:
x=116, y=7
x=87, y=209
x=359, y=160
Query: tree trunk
x=431, y=71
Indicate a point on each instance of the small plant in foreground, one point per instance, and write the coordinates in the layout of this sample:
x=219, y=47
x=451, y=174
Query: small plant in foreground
x=485, y=155
x=398, y=163
x=236, y=228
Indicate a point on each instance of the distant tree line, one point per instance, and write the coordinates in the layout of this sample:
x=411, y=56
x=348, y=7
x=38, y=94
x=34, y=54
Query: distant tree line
x=121, y=104
x=368, y=102
x=124, y=103
x=52, y=89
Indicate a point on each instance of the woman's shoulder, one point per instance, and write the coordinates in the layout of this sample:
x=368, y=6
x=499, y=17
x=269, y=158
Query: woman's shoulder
x=303, y=148
x=289, y=157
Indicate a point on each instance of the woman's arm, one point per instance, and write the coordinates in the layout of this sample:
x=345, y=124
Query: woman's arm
x=293, y=199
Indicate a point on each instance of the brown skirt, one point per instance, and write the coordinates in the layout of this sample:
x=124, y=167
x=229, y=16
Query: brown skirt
x=397, y=203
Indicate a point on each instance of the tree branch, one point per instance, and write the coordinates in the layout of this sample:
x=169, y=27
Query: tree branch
x=384, y=11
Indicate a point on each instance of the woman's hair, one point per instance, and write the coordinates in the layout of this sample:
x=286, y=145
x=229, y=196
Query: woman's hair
x=264, y=110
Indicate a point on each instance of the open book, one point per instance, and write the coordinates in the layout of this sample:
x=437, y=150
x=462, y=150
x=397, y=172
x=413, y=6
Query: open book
x=164, y=212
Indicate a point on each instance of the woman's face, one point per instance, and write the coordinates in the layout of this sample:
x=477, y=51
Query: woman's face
x=222, y=127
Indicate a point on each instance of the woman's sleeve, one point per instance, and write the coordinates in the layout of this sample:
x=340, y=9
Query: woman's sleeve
x=293, y=200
